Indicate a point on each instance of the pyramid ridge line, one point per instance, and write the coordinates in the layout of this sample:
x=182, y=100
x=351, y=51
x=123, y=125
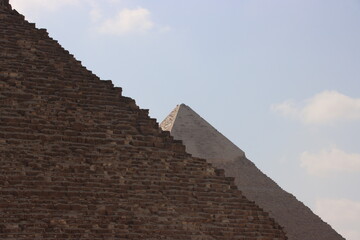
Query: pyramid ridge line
x=173, y=144
x=44, y=31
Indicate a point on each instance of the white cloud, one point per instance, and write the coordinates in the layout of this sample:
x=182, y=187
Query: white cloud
x=342, y=214
x=128, y=21
x=325, y=107
x=330, y=161
x=287, y=108
x=25, y=6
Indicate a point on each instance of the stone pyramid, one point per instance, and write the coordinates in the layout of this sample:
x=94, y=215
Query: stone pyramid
x=204, y=141
x=80, y=161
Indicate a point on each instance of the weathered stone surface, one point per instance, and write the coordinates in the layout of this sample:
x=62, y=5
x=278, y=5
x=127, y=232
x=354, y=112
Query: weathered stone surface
x=204, y=141
x=4, y=3
x=80, y=161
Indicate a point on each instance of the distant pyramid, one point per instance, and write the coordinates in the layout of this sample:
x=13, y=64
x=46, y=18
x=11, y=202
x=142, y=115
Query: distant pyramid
x=200, y=138
x=80, y=161
x=204, y=141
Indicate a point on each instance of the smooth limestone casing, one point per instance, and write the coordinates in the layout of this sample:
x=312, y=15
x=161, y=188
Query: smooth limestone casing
x=80, y=161
x=204, y=141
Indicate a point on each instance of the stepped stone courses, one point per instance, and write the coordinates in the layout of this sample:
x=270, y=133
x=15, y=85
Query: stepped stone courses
x=204, y=141
x=80, y=161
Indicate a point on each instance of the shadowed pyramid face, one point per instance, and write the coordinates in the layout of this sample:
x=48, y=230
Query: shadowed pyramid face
x=4, y=3
x=80, y=161
x=204, y=141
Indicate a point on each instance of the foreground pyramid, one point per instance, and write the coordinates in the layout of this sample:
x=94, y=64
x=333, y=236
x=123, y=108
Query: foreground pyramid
x=80, y=161
x=204, y=141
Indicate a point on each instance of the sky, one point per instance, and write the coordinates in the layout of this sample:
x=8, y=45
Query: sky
x=279, y=78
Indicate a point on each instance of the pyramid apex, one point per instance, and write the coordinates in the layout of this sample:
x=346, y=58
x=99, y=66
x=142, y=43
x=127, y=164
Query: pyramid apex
x=181, y=105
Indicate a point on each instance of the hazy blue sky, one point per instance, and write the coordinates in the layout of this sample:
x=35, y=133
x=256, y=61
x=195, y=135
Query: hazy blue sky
x=280, y=78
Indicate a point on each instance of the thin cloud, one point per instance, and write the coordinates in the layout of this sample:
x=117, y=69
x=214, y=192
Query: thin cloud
x=95, y=12
x=33, y=9
x=330, y=161
x=341, y=214
x=325, y=107
x=40, y=5
x=128, y=21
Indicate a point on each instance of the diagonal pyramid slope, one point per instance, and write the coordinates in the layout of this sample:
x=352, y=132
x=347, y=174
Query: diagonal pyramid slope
x=202, y=140
x=80, y=161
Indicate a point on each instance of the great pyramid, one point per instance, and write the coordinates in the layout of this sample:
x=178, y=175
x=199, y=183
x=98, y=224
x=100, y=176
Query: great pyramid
x=80, y=161
x=204, y=141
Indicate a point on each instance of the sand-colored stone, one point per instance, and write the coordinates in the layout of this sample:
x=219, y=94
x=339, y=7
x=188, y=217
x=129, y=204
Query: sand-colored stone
x=204, y=141
x=80, y=161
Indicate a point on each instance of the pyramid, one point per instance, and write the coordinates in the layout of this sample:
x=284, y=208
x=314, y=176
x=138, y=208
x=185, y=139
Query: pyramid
x=204, y=141
x=80, y=161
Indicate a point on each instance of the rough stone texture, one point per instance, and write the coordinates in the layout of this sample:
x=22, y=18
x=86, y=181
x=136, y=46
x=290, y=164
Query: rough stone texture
x=80, y=161
x=204, y=141
x=4, y=3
